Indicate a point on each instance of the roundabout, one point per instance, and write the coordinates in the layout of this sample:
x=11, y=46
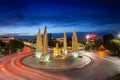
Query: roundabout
x=58, y=64
x=59, y=58
x=12, y=68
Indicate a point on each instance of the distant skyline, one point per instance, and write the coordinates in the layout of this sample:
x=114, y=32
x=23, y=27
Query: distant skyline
x=24, y=17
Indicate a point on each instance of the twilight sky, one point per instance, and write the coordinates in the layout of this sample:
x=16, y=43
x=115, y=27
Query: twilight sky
x=24, y=17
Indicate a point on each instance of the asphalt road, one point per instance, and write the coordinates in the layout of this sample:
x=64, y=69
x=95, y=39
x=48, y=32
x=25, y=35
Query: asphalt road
x=101, y=68
x=11, y=68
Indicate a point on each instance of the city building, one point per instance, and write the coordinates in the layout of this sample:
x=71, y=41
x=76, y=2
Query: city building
x=6, y=39
x=60, y=39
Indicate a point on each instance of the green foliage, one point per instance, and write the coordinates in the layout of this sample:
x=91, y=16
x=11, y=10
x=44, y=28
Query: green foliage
x=88, y=45
x=14, y=45
x=114, y=45
x=98, y=43
x=69, y=43
x=51, y=43
x=93, y=45
x=80, y=44
x=2, y=46
x=11, y=47
x=115, y=41
x=107, y=38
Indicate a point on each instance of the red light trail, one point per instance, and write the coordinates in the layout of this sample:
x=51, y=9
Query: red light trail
x=11, y=68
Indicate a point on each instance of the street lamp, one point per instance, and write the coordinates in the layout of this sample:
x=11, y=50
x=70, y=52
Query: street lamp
x=119, y=36
x=87, y=37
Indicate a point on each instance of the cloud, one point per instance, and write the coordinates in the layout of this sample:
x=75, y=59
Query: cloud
x=85, y=15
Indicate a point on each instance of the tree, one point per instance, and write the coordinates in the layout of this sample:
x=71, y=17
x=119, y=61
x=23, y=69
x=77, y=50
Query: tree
x=14, y=45
x=69, y=43
x=88, y=45
x=80, y=44
x=93, y=45
x=98, y=43
x=114, y=46
x=107, y=38
x=2, y=46
x=51, y=43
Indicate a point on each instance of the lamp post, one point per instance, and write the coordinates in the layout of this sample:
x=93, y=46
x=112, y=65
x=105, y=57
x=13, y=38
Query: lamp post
x=87, y=37
x=119, y=36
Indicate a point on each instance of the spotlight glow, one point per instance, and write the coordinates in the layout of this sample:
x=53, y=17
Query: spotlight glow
x=75, y=54
x=38, y=55
x=47, y=58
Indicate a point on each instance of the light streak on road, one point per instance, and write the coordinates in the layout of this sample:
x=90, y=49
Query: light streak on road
x=101, y=54
x=11, y=68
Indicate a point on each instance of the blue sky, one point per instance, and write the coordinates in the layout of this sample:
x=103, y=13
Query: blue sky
x=24, y=17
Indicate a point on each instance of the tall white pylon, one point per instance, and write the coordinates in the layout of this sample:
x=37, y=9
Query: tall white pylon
x=65, y=43
x=38, y=52
x=42, y=47
x=74, y=44
x=39, y=41
x=45, y=41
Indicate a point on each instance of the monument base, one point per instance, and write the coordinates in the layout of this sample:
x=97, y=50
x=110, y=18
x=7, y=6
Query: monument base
x=65, y=52
x=47, y=58
x=69, y=63
x=38, y=56
x=43, y=59
x=75, y=54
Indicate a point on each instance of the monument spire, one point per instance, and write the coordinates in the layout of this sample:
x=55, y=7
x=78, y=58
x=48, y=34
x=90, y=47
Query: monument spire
x=42, y=51
x=74, y=42
x=65, y=43
x=39, y=41
x=45, y=41
x=74, y=45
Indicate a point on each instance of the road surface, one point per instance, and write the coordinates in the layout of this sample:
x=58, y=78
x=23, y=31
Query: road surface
x=101, y=68
x=12, y=69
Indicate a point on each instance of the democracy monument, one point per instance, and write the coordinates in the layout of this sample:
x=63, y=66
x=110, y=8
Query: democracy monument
x=60, y=58
x=42, y=54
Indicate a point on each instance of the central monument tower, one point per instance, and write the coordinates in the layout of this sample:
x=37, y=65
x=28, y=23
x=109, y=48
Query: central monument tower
x=74, y=44
x=65, y=44
x=42, y=47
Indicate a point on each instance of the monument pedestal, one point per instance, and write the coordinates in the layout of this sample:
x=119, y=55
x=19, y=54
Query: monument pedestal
x=75, y=54
x=38, y=56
